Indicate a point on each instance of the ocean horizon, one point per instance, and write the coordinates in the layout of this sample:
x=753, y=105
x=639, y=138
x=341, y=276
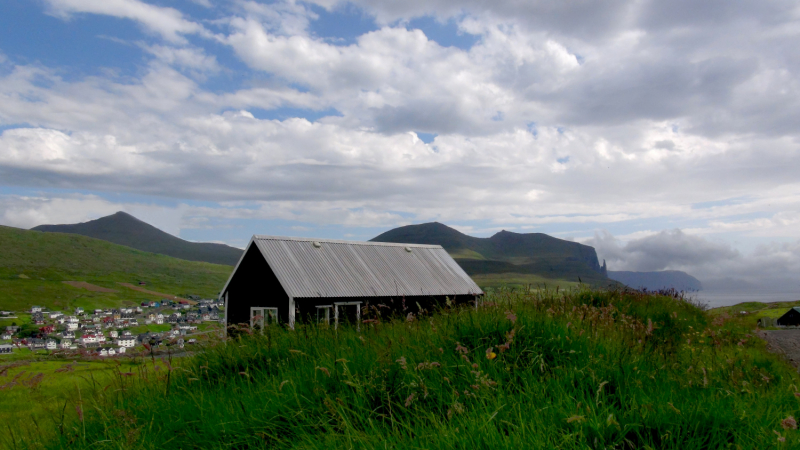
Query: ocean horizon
x=719, y=298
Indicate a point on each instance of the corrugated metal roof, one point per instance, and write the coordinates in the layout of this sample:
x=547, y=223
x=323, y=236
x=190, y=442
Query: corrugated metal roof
x=362, y=269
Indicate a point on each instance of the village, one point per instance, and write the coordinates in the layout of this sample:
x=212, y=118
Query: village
x=112, y=331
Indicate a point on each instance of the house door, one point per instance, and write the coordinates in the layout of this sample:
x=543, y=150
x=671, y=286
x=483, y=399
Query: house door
x=261, y=317
x=347, y=312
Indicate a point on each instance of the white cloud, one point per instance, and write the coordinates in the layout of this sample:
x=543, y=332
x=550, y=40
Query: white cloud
x=770, y=266
x=168, y=22
x=186, y=57
x=562, y=117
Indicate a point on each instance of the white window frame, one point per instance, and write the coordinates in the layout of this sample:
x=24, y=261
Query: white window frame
x=327, y=309
x=265, y=313
x=336, y=306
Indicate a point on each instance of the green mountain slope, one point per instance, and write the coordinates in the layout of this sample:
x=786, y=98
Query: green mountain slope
x=124, y=229
x=506, y=252
x=34, y=266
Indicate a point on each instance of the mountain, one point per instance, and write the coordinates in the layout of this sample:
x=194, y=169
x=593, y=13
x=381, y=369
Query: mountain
x=124, y=229
x=35, y=266
x=653, y=281
x=506, y=252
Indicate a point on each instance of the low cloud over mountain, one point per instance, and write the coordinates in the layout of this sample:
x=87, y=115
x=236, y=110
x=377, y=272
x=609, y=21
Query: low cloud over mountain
x=716, y=263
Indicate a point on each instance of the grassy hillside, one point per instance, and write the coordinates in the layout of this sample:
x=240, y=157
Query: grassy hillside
x=663, y=279
x=581, y=370
x=124, y=229
x=34, y=266
x=507, y=252
x=521, y=280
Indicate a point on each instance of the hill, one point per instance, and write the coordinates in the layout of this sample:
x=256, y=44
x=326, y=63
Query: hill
x=653, y=281
x=506, y=252
x=124, y=229
x=35, y=265
x=579, y=370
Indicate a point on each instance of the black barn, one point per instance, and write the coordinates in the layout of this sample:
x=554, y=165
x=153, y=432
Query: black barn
x=791, y=318
x=284, y=279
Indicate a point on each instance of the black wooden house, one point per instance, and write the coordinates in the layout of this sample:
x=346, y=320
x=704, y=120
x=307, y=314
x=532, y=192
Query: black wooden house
x=284, y=280
x=790, y=319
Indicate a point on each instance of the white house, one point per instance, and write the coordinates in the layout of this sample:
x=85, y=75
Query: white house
x=65, y=344
x=88, y=338
x=72, y=326
x=35, y=309
x=126, y=341
x=120, y=350
x=159, y=320
x=78, y=311
x=51, y=344
x=113, y=333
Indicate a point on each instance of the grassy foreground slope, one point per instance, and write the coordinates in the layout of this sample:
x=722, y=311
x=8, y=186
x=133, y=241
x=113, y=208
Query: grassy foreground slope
x=585, y=369
x=34, y=266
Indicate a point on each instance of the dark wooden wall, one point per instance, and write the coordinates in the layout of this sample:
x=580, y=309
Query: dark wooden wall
x=253, y=285
x=388, y=306
x=791, y=318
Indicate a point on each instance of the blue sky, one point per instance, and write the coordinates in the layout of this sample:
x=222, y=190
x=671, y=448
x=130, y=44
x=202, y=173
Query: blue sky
x=611, y=123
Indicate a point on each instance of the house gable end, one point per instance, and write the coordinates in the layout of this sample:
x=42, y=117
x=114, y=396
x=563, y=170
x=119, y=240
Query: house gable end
x=254, y=284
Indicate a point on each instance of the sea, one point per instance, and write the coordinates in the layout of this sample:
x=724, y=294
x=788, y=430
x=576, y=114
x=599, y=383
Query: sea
x=717, y=298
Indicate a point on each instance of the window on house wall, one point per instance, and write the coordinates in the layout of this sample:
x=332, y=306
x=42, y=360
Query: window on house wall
x=324, y=314
x=261, y=317
x=347, y=312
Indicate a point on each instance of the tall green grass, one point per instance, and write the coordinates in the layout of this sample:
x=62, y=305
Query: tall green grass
x=581, y=369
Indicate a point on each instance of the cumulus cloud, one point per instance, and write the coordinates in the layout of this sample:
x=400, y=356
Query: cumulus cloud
x=660, y=251
x=582, y=18
x=186, y=57
x=168, y=22
x=769, y=266
x=561, y=117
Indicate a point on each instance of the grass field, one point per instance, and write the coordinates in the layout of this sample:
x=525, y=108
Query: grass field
x=520, y=281
x=34, y=395
x=754, y=311
x=581, y=369
x=35, y=265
